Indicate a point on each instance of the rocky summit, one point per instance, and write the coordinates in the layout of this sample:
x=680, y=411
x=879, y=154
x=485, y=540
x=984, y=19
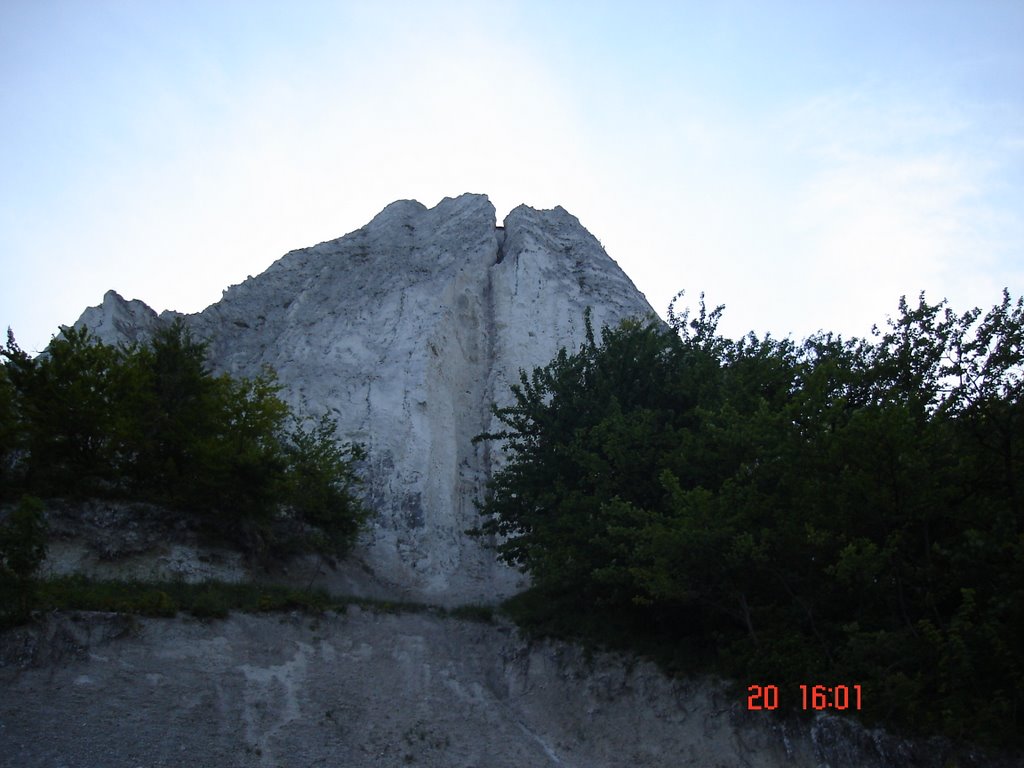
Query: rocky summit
x=406, y=331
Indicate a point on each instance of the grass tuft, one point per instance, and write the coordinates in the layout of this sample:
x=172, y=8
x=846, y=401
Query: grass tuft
x=214, y=599
x=207, y=600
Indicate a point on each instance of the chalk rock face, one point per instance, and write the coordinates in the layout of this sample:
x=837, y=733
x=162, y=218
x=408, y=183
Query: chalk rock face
x=406, y=331
x=119, y=321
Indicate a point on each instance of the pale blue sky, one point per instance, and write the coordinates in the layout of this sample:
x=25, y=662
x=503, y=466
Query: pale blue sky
x=805, y=163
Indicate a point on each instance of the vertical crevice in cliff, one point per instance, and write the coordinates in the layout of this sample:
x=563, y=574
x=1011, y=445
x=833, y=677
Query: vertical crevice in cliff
x=490, y=334
x=499, y=233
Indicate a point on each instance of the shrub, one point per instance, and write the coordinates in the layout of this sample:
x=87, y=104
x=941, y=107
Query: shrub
x=210, y=604
x=157, y=604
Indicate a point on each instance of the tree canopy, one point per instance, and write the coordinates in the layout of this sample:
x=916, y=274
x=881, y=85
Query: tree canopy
x=151, y=422
x=838, y=511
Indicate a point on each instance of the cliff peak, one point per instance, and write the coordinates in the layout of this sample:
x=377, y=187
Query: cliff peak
x=406, y=331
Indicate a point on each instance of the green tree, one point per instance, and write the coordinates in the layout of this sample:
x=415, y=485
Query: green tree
x=11, y=431
x=66, y=411
x=22, y=551
x=237, y=471
x=174, y=404
x=834, y=510
x=152, y=422
x=322, y=482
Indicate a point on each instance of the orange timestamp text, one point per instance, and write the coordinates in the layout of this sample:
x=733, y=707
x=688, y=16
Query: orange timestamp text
x=812, y=697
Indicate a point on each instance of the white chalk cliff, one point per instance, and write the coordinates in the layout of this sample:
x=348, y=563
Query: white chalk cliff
x=406, y=331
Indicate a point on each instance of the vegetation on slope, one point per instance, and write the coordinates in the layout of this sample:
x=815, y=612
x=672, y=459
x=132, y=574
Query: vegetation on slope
x=152, y=423
x=836, y=512
x=22, y=549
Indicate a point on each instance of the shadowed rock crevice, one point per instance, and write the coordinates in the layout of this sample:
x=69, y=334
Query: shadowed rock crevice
x=499, y=233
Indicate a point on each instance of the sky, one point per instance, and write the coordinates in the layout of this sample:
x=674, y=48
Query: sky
x=803, y=163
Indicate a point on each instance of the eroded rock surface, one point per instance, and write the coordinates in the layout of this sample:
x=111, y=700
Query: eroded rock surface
x=406, y=331
x=119, y=321
x=365, y=689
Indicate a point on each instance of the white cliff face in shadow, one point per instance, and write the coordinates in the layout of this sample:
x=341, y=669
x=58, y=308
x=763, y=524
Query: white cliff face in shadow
x=366, y=689
x=406, y=331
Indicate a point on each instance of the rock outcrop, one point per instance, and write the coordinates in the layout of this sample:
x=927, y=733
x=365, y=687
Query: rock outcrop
x=119, y=321
x=365, y=689
x=406, y=331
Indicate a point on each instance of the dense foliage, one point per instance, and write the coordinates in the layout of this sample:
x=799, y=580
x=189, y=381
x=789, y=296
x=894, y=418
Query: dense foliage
x=150, y=422
x=22, y=550
x=832, y=512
